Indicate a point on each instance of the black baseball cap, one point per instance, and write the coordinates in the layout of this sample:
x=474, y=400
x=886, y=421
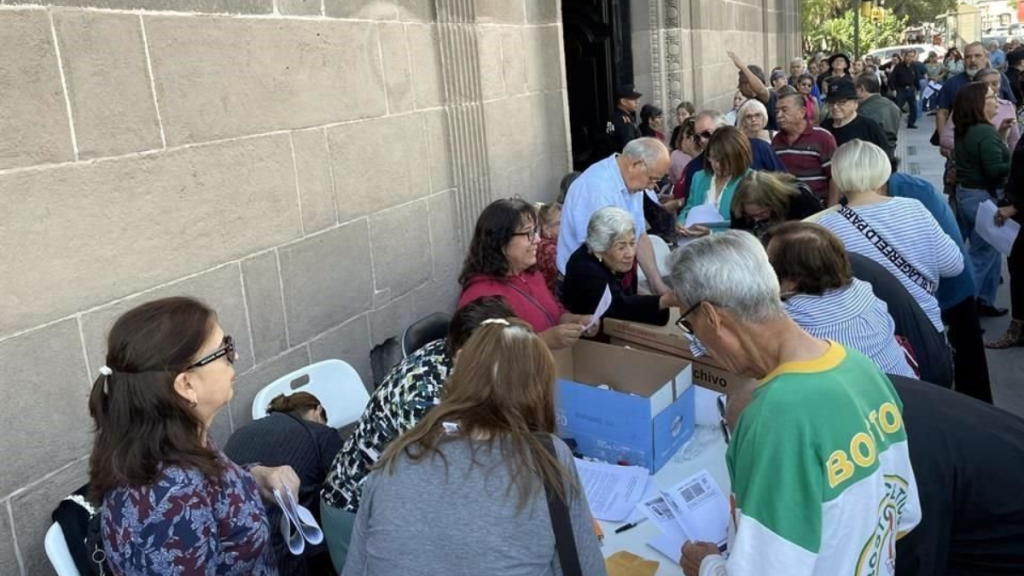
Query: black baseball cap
x=841, y=89
x=628, y=92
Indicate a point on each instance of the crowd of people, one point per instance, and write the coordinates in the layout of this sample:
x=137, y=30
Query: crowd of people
x=847, y=291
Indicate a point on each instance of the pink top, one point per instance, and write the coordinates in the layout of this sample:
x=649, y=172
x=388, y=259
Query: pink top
x=527, y=294
x=678, y=165
x=1006, y=110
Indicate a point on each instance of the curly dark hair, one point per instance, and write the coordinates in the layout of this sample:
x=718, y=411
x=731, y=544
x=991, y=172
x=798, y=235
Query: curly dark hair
x=495, y=228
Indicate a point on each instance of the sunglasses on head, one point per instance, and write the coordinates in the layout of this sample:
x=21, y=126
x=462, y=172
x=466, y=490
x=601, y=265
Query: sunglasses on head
x=228, y=349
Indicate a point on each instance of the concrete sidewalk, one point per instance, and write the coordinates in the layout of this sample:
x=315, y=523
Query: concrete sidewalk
x=1006, y=367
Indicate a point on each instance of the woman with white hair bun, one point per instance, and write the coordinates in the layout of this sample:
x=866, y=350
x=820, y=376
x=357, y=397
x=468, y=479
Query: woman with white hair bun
x=608, y=259
x=898, y=233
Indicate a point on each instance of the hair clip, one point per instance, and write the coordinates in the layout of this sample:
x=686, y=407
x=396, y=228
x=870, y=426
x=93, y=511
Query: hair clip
x=106, y=371
x=499, y=321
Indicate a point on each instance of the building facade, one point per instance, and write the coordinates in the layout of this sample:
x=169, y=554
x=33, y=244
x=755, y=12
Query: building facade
x=310, y=168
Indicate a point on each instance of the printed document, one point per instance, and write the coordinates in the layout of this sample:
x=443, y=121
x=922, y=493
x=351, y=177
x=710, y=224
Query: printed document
x=694, y=509
x=612, y=491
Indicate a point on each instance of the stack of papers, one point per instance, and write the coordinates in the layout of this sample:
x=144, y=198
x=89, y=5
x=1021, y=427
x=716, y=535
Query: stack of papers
x=695, y=509
x=613, y=491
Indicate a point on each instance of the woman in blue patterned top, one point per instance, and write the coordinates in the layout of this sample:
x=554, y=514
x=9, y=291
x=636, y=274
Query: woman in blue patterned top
x=172, y=503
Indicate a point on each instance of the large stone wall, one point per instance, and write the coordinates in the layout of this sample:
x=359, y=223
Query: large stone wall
x=679, y=46
x=311, y=168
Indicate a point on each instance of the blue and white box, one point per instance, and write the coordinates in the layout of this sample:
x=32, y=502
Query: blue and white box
x=624, y=406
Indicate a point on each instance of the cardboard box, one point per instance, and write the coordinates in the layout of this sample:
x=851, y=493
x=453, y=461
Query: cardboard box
x=670, y=340
x=644, y=416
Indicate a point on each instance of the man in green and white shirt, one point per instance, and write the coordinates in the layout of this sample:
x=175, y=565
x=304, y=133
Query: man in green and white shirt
x=820, y=470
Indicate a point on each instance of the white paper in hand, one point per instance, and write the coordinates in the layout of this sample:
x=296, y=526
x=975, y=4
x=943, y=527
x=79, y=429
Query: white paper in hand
x=701, y=508
x=298, y=525
x=1000, y=237
x=705, y=215
x=602, y=307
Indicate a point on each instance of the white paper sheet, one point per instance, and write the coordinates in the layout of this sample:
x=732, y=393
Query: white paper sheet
x=602, y=307
x=661, y=513
x=705, y=215
x=669, y=546
x=612, y=491
x=650, y=492
x=700, y=508
x=1001, y=237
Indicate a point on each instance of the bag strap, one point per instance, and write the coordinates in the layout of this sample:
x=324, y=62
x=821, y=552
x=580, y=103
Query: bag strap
x=534, y=302
x=312, y=438
x=561, y=524
x=888, y=250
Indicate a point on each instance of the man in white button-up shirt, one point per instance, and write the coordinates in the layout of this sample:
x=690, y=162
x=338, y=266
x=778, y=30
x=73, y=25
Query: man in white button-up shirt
x=619, y=180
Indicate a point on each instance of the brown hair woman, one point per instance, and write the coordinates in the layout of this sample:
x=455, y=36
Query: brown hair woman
x=465, y=488
x=171, y=501
x=728, y=157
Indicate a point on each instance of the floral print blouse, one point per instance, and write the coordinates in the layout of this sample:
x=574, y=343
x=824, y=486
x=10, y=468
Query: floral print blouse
x=185, y=524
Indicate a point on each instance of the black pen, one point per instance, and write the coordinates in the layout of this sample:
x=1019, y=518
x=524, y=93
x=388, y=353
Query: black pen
x=629, y=526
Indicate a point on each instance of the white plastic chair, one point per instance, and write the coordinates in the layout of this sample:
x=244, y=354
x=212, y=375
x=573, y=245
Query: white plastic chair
x=661, y=254
x=335, y=383
x=57, y=552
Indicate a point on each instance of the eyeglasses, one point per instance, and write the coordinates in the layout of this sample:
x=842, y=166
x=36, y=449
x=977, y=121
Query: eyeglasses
x=652, y=180
x=684, y=324
x=705, y=135
x=228, y=349
x=720, y=401
x=532, y=233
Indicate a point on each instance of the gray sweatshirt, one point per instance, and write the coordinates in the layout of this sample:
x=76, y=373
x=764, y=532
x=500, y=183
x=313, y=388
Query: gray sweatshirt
x=426, y=520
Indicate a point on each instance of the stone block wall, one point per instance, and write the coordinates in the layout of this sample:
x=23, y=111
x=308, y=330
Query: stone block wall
x=310, y=168
x=679, y=47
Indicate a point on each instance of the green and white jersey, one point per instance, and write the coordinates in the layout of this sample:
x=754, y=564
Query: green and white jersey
x=821, y=476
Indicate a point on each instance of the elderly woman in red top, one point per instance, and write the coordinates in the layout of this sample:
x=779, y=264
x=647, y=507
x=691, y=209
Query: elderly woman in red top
x=502, y=261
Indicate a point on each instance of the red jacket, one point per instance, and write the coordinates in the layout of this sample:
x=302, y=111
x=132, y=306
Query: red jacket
x=526, y=294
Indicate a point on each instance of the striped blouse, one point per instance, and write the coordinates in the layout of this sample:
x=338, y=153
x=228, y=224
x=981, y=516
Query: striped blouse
x=856, y=318
x=907, y=238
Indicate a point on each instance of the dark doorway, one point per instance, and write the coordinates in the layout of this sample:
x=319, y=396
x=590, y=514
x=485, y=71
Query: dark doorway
x=598, y=58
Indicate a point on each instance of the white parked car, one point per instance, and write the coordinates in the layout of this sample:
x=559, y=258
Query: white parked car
x=885, y=54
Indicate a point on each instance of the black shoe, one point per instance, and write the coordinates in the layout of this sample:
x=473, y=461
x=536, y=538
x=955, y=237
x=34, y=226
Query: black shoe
x=990, y=311
x=912, y=127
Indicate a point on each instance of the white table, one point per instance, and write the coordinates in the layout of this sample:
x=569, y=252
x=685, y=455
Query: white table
x=712, y=457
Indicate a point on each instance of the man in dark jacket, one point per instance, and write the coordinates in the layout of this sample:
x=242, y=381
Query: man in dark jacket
x=622, y=126
x=903, y=81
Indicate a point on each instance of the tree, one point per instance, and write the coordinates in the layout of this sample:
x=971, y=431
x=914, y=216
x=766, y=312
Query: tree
x=828, y=24
x=836, y=34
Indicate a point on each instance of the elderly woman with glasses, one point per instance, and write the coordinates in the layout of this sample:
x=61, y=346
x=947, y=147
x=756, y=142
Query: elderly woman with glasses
x=172, y=502
x=607, y=260
x=822, y=439
x=502, y=261
x=752, y=118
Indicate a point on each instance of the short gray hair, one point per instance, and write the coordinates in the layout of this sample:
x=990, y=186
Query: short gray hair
x=976, y=44
x=606, y=226
x=860, y=166
x=649, y=150
x=714, y=115
x=797, y=60
x=730, y=270
x=752, y=106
